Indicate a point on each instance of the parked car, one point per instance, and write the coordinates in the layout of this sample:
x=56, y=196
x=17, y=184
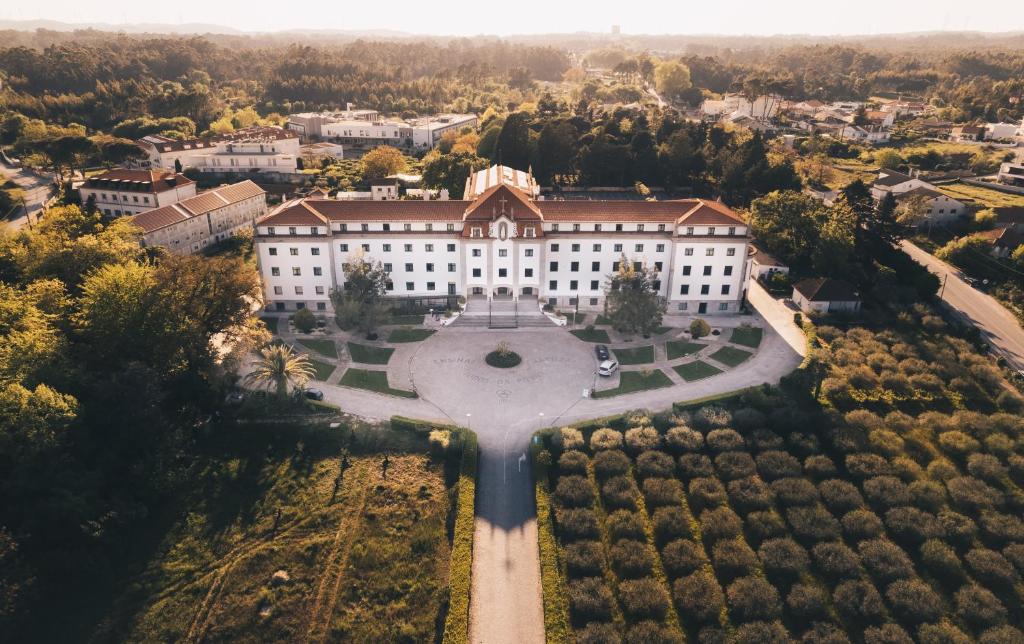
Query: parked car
x=602, y=352
x=607, y=368
x=314, y=394
x=235, y=398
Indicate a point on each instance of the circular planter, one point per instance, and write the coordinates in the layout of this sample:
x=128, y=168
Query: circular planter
x=503, y=361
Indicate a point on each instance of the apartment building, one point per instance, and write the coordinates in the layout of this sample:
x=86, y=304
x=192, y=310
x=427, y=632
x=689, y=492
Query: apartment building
x=252, y=149
x=122, y=191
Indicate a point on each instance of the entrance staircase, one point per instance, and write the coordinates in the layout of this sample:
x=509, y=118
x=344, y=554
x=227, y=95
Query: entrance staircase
x=502, y=313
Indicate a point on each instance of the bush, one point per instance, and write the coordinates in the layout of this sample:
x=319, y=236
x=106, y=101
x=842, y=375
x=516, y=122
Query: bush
x=886, y=491
x=749, y=494
x=574, y=492
x=605, y=438
x=986, y=467
x=753, y=598
x=656, y=464
x=573, y=463
x=824, y=633
x=991, y=567
x=699, y=596
x=942, y=633
x=641, y=439
x=998, y=528
x=913, y=601
x=803, y=444
x=724, y=440
x=623, y=524
x=670, y=523
x=764, y=525
x=887, y=634
x=927, y=495
x=711, y=417
x=960, y=530
x=643, y=598
x=783, y=559
x=699, y=328
x=734, y=465
x=812, y=523
x=681, y=557
x=712, y=634
x=836, y=560
x=807, y=602
x=858, y=601
x=1015, y=553
x=590, y=599
x=304, y=320
x=706, y=493
x=762, y=633
x=906, y=469
x=840, y=496
x=942, y=561
x=620, y=492
x=598, y=633
x=1001, y=635
x=610, y=463
x=584, y=559
x=568, y=438
x=720, y=523
x=885, y=560
x=683, y=439
x=910, y=526
x=760, y=439
x=576, y=524
x=971, y=495
x=794, y=491
x=958, y=443
x=862, y=524
x=659, y=492
x=733, y=558
x=652, y=632
x=776, y=465
x=865, y=466
x=979, y=607
x=695, y=465
x=631, y=559
x=819, y=467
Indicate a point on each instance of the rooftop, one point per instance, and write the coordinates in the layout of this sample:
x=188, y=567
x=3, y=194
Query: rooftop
x=826, y=289
x=200, y=204
x=126, y=180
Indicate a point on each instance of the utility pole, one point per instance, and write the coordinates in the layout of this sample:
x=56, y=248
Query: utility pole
x=942, y=290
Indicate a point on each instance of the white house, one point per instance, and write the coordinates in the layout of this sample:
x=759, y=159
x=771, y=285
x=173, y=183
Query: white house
x=122, y=191
x=191, y=225
x=762, y=264
x=252, y=149
x=504, y=243
x=872, y=134
x=762, y=107
x=939, y=208
x=825, y=295
x=1011, y=174
x=997, y=131
x=896, y=183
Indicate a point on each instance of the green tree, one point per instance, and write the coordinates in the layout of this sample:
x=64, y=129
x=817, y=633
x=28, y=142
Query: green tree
x=632, y=302
x=279, y=366
x=304, y=320
x=888, y=158
x=514, y=147
x=699, y=328
x=383, y=161
x=556, y=151
x=672, y=78
x=450, y=171
x=361, y=303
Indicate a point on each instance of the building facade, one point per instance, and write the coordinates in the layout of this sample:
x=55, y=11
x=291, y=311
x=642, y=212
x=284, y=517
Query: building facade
x=121, y=191
x=366, y=129
x=503, y=243
x=252, y=149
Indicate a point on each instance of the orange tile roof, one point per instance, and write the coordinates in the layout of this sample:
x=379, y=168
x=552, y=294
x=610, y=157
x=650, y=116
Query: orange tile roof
x=200, y=204
x=151, y=181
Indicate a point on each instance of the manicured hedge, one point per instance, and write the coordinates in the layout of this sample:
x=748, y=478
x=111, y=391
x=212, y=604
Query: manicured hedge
x=556, y=608
x=456, y=625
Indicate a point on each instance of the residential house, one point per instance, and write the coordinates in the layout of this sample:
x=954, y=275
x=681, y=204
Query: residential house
x=124, y=191
x=967, y=133
x=1011, y=174
x=873, y=134
x=762, y=264
x=896, y=183
x=940, y=208
x=1001, y=131
x=825, y=295
x=1004, y=241
x=251, y=149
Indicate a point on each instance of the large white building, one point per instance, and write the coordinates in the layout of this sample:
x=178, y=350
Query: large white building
x=252, y=149
x=122, y=191
x=365, y=129
x=503, y=243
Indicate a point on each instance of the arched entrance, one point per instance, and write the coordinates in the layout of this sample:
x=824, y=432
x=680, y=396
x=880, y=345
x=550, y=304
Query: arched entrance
x=503, y=292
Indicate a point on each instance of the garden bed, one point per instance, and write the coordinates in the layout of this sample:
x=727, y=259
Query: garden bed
x=367, y=354
x=731, y=356
x=633, y=381
x=748, y=336
x=503, y=359
x=323, y=347
x=373, y=381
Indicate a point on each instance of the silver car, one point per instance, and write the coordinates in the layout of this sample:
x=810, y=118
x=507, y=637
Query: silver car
x=607, y=368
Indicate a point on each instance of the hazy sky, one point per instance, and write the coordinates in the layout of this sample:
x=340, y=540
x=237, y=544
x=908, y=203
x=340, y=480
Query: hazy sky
x=503, y=17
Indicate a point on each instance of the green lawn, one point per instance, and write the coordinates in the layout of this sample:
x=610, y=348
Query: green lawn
x=373, y=381
x=631, y=381
x=595, y=335
x=638, y=355
x=323, y=347
x=321, y=370
x=731, y=356
x=369, y=355
x=601, y=319
x=680, y=348
x=409, y=334
x=662, y=329
x=748, y=336
x=984, y=197
x=698, y=370
x=411, y=320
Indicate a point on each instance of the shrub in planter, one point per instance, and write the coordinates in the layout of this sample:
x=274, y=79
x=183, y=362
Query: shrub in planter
x=763, y=440
x=576, y=524
x=568, y=438
x=1001, y=635
x=590, y=599
x=885, y=560
x=819, y=467
x=654, y=463
x=886, y=491
x=631, y=559
x=573, y=463
x=753, y=598
x=968, y=494
x=699, y=596
x=574, y=491
x=910, y=526
x=763, y=525
x=784, y=560
x=620, y=492
x=734, y=465
x=733, y=558
x=724, y=440
x=750, y=493
x=858, y=601
x=942, y=633
x=762, y=633
x=706, y=492
x=979, y=607
x=623, y=524
x=862, y=524
x=927, y=495
x=605, y=438
x=775, y=464
x=887, y=634
x=610, y=463
x=681, y=557
x=643, y=598
x=659, y=492
x=653, y=632
x=680, y=440
x=836, y=560
x=824, y=633
x=865, y=466
x=942, y=561
x=840, y=496
x=598, y=633
x=640, y=439
x=720, y=523
x=960, y=530
x=999, y=528
x=584, y=559
x=913, y=601
x=695, y=465
x=670, y=523
x=807, y=602
x=991, y=567
x=794, y=491
x=812, y=523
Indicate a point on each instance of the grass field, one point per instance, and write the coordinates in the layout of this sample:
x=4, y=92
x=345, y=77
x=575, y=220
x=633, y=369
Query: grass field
x=748, y=336
x=594, y=335
x=631, y=381
x=321, y=370
x=410, y=320
x=369, y=355
x=409, y=334
x=731, y=356
x=680, y=348
x=637, y=355
x=366, y=561
x=985, y=197
x=373, y=381
x=697, y=370
x=323, y=347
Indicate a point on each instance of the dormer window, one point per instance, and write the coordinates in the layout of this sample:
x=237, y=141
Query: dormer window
x=476, y=231
x=732, y=230
x=344, y=228
x=689, y=230
x=364, y=227
x=711, y=230
x=661, y=228
x=292, y=230
x=597, y=228
x=554, y=228
x=270, y=230
x=575, y=228
x=314, y=230
x=529, y=231
x=408, y=228
x=639, y=228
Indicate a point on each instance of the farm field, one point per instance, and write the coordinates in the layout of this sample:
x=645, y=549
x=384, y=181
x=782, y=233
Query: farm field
x=886, y=509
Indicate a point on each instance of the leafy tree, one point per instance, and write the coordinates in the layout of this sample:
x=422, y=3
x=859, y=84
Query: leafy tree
x=450, y=171
x=304, y=320
x=632, y=302
x=514, y=146
x=361, y=303
x=889, y=159
x=699, y=328
x=912, y=211
x=672, y=78
x=383, y=161
x=279, y=366
x=556, y=151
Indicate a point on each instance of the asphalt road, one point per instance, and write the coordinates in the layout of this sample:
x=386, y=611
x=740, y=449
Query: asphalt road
x=999, y=327
x=37, y=191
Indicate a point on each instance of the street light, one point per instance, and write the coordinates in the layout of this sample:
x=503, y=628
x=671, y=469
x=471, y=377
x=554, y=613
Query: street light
x=468, y=416
x=541, y=426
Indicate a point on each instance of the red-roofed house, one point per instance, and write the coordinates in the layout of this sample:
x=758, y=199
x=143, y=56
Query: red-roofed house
x=121, y=191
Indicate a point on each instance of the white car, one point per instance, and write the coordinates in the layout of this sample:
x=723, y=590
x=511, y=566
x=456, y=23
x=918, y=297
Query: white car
x=607, y=368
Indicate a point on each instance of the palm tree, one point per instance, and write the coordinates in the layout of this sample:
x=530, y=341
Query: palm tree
x=279, y=365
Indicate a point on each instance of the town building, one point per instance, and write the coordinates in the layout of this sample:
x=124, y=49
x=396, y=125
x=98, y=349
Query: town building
x=967, y=133
x=762, y=107
x=502, y=242
x=1001, y=131
x=252, y=149
x=937, y=207
x=896, y=183
x=1012, y=174
x=366, y=129
x=762, y=264
x=313, y=154
x=823, y=295
x=191, y=225
x=123, y=191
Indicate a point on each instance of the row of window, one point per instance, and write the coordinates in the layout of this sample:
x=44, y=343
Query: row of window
x=684, y=289
x=406, y=247
x=296, y=271
x=712, y=230
x=687, y=270
x=639, y=248
x=279, y=290
x=135, y=198
x=386, y=227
